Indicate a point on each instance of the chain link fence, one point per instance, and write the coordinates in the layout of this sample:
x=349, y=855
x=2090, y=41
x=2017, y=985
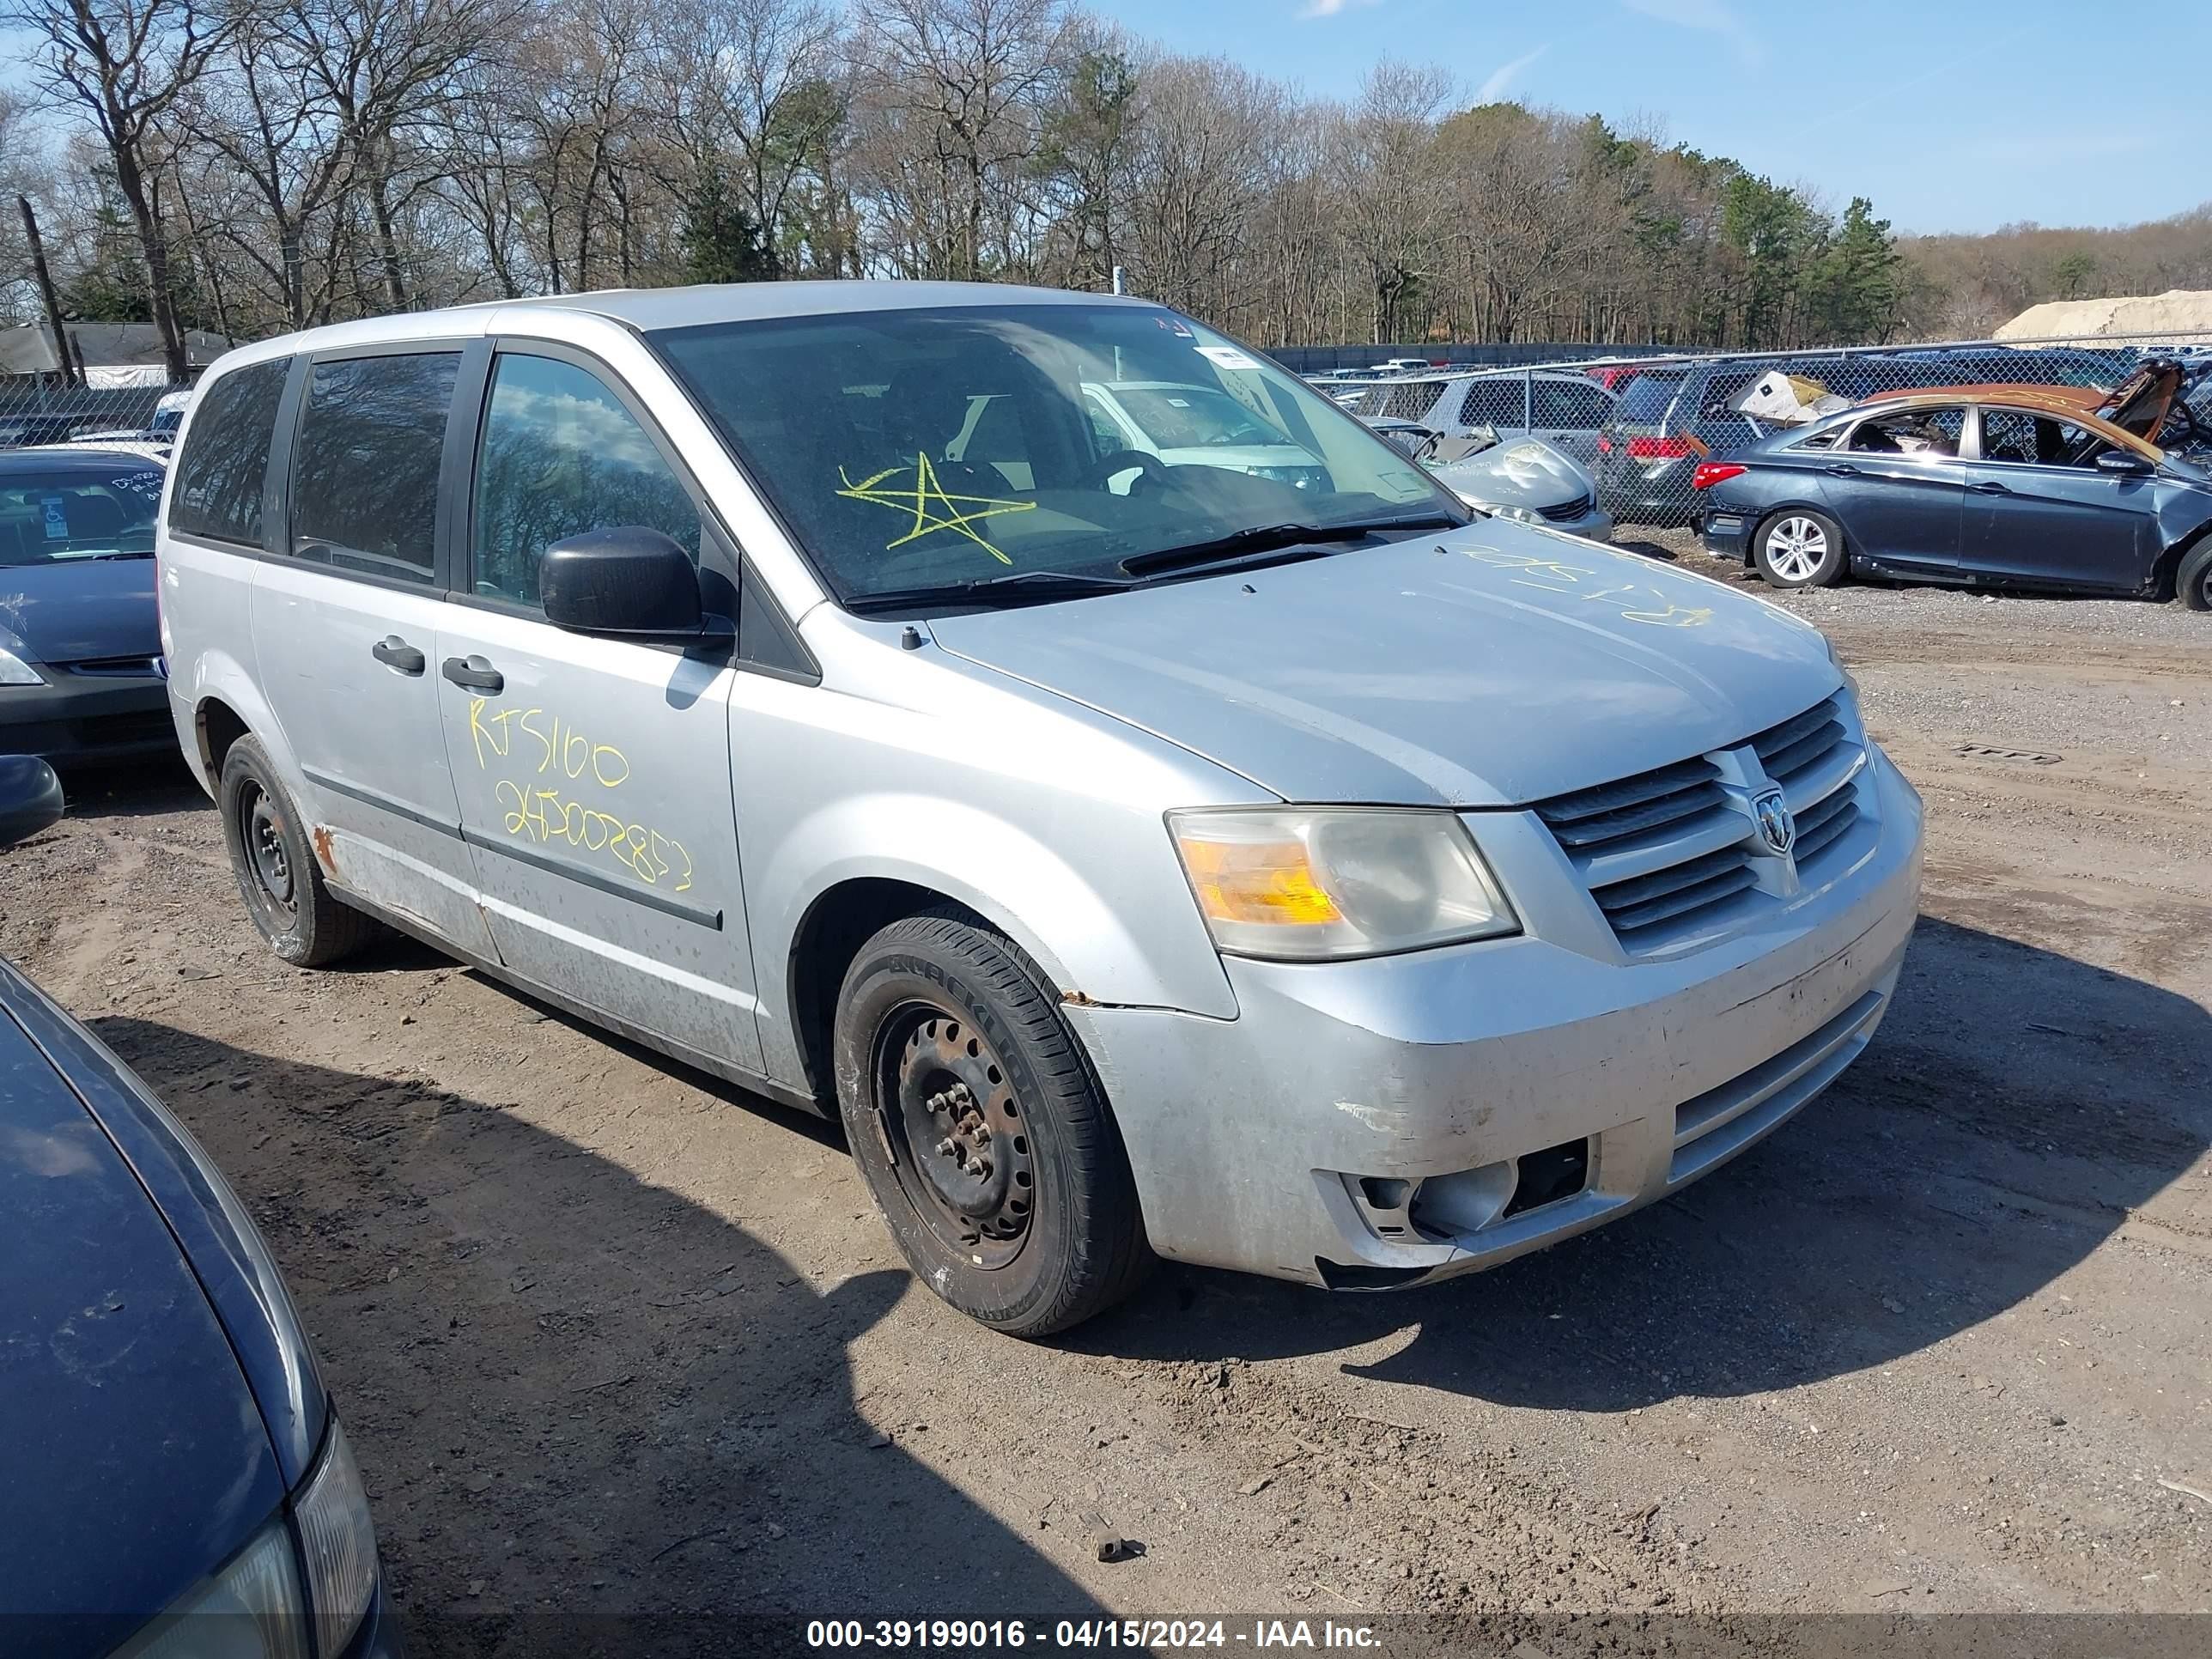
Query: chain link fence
x=1642, y=424
x=36, y=410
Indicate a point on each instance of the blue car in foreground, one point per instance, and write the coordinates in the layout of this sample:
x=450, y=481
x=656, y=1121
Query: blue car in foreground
x=2012, y=486
x=175, y=1482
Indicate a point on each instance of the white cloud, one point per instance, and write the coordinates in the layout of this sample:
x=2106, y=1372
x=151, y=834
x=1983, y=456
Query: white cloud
x=1330, y=8
x=1501, y=79
x=1707, y=17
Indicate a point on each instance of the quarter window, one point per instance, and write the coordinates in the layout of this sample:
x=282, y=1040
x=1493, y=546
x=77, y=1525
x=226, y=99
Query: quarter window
x=562, y=456
x=225, y=466
x=364, y=476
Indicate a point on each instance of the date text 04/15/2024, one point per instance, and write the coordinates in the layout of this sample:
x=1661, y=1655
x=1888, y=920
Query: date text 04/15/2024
x=954, y=1634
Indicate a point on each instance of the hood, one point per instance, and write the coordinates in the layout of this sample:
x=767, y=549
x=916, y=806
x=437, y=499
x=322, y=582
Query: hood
x=1489, y=666
x=1526, y=473
x=79, y=610
x=134, y=1459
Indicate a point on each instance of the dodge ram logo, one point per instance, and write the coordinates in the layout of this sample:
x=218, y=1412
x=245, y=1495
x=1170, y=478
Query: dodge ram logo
x=1776, y=827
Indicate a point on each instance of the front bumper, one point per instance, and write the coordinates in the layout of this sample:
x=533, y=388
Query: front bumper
x=79, y=718
x=1366, y=1123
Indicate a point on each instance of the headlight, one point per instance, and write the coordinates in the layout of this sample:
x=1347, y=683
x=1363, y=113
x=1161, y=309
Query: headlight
x=14, y=670
x=338, y=1544
x=253, y=1608
x=1313, y=883
x=1527, y=515
x=250, y=1610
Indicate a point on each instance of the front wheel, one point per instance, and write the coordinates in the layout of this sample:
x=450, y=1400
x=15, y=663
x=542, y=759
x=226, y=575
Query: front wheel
x=1799, y=548
x=2193, y=581
x=982, y=1134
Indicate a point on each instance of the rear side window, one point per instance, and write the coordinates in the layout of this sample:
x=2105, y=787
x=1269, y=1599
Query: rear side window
x=1492, y=402
x=1645, y=401
x=225, y=465
x=1570, y=405
x=365, y=465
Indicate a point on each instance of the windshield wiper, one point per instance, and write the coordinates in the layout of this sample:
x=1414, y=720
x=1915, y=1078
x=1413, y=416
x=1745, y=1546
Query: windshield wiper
x=1015, y=584
x=1274, y=538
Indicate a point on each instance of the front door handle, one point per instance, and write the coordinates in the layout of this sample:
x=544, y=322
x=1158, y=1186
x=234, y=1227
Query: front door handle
x=395, y=652
x=1990, y=487
x=475, y=673
x=1844, y=470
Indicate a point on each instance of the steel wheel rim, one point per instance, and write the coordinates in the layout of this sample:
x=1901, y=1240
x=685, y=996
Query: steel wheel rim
x=261, y=829
x=1797, y=548
x=959, y=1144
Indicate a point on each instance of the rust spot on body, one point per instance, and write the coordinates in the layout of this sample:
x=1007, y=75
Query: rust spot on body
x=322, y=840
x=1079, y=999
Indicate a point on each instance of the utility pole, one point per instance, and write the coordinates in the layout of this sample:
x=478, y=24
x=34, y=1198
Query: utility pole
x=46, y=290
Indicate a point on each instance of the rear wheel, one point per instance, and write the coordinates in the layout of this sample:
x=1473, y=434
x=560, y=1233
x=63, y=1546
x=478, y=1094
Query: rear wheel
x=1799, y=548
x=2193, y=581
x=984, y=1137
x=302, y=919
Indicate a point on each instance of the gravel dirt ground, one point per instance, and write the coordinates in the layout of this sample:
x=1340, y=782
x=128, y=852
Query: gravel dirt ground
x=611, y=1338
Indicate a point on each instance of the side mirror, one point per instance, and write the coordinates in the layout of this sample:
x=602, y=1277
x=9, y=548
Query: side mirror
x=628, y=582
x=2123, y=463
x=30, y=798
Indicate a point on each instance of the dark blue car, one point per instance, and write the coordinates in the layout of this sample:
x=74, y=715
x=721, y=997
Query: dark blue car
x=1992, y=486
x=80, y=636
x=173, y=1479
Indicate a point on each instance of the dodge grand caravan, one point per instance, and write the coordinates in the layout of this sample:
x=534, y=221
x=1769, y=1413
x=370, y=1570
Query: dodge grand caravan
x=1298, y=875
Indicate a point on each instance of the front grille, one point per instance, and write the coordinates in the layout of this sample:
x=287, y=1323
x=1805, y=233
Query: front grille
x=1787, y=749
x=1667, y=855
x=1566, y=511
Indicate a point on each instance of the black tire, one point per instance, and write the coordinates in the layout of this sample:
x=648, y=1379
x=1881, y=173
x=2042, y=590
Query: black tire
x=1798, y=548
x=1024, y=1215
x=2192, y=582
x=304, y=922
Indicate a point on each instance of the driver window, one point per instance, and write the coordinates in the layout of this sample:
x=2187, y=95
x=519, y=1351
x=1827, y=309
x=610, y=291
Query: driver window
x=561, y=456
x=1932, y=433
x=2014, y=435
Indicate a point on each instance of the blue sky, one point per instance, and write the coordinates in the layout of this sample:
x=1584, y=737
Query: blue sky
x=1951, y=114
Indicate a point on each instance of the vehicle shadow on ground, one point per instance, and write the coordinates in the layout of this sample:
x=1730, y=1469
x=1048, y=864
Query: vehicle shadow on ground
x=593, y=1416
x=2012, y=1109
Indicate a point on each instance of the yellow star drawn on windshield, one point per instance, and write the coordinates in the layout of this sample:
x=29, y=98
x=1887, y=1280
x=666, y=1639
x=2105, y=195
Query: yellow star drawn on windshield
x=933, y=508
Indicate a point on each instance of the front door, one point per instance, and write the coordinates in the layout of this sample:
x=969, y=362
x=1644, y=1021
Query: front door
x=593, y=774
x=2039, y=509
x=1896, y=484
x=345, y=629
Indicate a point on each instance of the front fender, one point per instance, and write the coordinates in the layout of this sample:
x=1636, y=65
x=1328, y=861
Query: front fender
x=1123, y=931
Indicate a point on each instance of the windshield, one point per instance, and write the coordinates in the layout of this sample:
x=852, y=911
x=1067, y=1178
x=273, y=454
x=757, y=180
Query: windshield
x=78, y=513
x=932, y=447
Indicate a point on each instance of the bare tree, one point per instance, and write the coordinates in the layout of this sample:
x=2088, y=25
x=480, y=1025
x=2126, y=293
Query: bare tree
x=125, y=64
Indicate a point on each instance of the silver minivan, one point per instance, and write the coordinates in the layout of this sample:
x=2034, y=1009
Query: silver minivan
x=1296, y=874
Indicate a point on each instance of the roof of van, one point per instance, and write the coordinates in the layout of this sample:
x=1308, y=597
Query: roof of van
x=651, y=308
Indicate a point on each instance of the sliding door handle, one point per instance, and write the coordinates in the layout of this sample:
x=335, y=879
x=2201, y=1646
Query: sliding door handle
x=473, y=672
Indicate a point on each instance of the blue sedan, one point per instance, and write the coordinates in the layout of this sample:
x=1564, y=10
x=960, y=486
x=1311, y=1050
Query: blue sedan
x=80, y=636
x=176, y=1483
x=2007, y=487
